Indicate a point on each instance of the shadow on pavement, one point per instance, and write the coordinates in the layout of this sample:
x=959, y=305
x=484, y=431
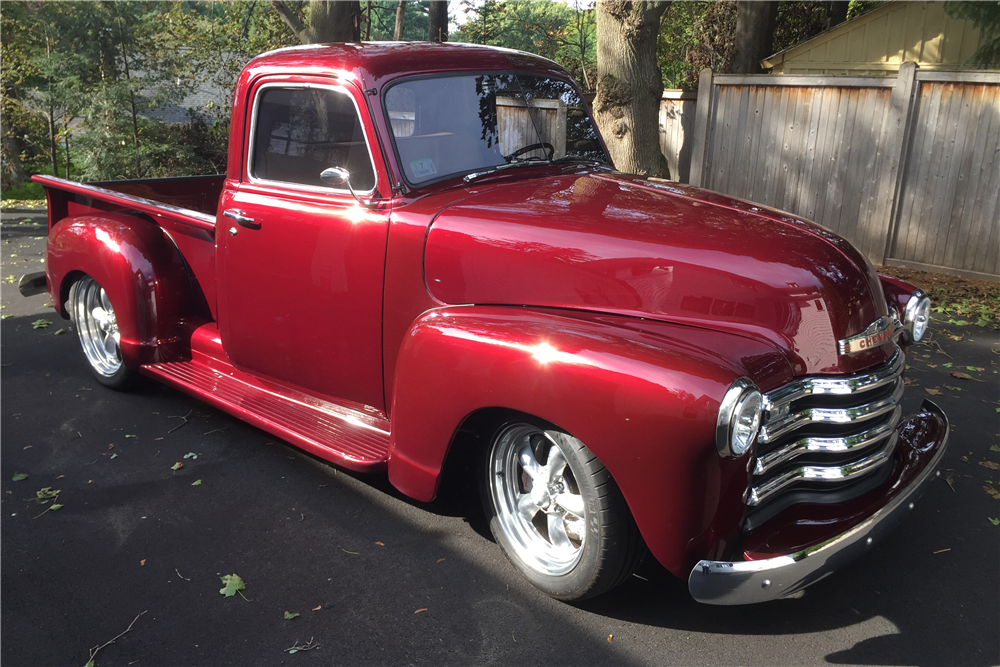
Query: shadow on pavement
x=379, y=579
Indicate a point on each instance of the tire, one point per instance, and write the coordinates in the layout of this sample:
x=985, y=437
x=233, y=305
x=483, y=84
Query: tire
x=97, y=330
x=573, y=536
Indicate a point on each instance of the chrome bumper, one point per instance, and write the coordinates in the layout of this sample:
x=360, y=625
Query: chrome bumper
x=748, y=582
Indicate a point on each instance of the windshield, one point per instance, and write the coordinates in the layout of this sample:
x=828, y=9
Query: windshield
x=460, y=124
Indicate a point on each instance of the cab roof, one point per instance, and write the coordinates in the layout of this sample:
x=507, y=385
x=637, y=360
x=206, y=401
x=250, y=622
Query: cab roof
x=378, y=62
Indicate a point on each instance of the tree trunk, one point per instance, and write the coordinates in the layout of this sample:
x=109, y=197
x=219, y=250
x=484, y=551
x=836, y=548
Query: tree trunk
x=438, y=15
x=755, y=22
x=397, y=32
x=629, y=84
x=12, y=161
x=329, y=21
x=838, y=13
x=53, y=149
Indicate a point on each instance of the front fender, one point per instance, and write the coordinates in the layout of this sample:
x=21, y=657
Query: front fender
x=137, y=266
x=645, y=401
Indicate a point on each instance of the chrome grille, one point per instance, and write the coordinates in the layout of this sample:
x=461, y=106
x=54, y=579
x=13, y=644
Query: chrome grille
x=824, y=437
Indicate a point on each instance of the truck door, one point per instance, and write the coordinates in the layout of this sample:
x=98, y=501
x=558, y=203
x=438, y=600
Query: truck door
x=300, y=262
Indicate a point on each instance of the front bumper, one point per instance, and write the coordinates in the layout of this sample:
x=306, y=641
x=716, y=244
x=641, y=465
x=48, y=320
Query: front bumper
x=748, y=582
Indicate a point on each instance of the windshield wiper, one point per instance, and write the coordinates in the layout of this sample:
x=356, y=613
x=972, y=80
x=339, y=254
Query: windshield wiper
x=577, y=158
x=500, y=167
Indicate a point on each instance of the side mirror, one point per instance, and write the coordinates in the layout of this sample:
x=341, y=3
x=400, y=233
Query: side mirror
x=336, y=176
x=340, y=176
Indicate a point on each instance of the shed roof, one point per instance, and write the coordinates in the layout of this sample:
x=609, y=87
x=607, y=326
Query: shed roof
x=876, y=43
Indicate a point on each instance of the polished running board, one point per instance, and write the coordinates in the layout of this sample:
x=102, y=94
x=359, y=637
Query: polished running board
x=348, y=435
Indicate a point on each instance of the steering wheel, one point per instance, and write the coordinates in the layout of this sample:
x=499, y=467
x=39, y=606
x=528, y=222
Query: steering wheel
x=532, y=147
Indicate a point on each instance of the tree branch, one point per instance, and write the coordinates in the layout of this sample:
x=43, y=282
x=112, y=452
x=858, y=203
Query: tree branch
x=292, y=19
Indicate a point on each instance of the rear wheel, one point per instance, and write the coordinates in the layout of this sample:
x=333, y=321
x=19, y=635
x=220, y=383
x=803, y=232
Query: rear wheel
x=557, y=513
x=97, y=328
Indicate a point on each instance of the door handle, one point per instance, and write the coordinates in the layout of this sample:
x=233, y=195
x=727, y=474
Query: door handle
x=242, y=220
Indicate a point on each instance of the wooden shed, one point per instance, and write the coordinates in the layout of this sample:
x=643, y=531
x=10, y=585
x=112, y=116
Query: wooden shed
x=876, y=43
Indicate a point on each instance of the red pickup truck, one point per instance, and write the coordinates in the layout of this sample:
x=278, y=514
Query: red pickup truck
x=420, y=251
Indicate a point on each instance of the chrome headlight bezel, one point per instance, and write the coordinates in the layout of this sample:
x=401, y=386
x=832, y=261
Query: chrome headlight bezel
x=740, y=415
x=916, y=317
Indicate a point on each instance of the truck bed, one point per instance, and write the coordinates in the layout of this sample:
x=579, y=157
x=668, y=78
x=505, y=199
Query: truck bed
x=183, y=207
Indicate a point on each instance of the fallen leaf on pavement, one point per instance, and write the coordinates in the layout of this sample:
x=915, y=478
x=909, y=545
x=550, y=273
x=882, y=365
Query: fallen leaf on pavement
x=960, y=375
x=993, y=492
x=289, y=615
x=990, y=464
x=381, y=544
x=317, y=607
x=232, y=584
x=19, y=476
x=177, y=466
x=610, y=637
x=995, y=522
x=41, y=324
x=142, y=562
x=196, y=482
x=420, y=610
x=933, y=392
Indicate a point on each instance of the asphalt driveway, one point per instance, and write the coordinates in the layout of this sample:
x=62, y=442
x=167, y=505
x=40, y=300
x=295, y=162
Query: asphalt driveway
x=378, y=579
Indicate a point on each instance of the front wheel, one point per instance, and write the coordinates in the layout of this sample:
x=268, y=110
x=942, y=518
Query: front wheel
x=557, y=513
x=97, y=328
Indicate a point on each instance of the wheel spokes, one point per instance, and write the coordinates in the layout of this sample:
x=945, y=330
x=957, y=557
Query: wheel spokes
x=555, y=465
x=110, y=345
x=571, y=502
x=527, y=507
x=105, y=302
x=102, y=318
x=557, y=532
x=527, y=459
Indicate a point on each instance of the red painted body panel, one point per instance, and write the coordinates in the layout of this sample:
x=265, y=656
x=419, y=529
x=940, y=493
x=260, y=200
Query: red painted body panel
x=351, y=435
x=605, y=244
x=139, y=268
x=645, y=402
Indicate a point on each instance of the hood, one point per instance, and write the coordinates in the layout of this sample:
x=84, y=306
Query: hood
x=662, y=251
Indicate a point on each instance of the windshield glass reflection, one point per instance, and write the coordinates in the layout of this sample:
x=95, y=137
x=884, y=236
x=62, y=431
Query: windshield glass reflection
x=456, y=125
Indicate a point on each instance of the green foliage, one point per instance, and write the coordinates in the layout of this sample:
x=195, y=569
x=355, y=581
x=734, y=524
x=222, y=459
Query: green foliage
x=986, y=17
x=555, y=30
x=695, y=35
x=378, y=20
x=19, y=476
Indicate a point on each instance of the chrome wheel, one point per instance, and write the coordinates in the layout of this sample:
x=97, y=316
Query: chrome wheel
x=538, y=502
x=97, y=327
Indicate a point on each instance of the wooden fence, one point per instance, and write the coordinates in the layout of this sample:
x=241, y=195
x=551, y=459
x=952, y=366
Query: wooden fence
x=906, y=168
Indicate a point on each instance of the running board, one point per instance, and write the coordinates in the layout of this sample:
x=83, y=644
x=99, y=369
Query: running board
x=339, y=434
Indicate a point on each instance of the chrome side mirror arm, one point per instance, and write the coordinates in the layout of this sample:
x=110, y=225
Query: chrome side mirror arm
x=340, y=176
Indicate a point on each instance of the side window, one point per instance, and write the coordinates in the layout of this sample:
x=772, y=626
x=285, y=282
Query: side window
x=299, y=132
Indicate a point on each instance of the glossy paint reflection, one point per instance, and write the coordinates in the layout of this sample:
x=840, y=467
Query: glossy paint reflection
x=605, y=244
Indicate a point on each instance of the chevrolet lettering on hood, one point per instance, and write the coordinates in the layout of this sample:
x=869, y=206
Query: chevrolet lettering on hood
x=878, y=332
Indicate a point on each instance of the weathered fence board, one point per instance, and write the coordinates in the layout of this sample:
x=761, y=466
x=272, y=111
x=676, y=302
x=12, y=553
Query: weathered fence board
x=907, y=169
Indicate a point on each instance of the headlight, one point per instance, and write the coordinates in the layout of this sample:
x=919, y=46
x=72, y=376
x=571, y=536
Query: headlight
x=739, y=418
x=917, y=316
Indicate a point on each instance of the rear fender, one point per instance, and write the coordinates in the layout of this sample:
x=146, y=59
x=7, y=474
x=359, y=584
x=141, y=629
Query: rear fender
x=645, y=405
x=139, y=268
